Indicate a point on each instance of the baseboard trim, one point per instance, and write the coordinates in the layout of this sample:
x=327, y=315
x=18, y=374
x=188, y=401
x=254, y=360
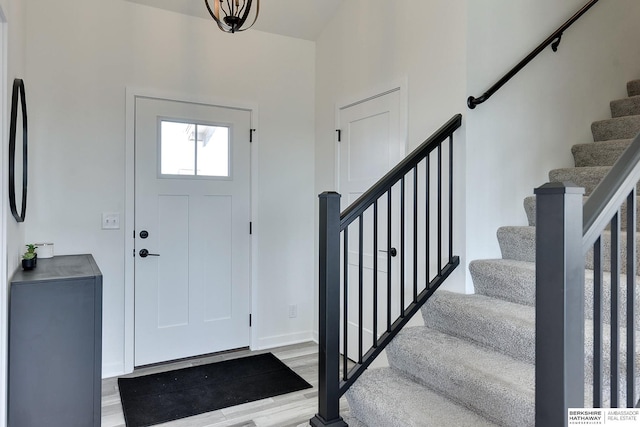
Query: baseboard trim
x=283, y=340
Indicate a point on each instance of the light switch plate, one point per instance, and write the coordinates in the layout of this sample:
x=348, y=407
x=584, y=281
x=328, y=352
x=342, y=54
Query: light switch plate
x=110, y=220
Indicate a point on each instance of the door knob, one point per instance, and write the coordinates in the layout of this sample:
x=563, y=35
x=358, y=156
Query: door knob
x=145, y=253
x=392, y=251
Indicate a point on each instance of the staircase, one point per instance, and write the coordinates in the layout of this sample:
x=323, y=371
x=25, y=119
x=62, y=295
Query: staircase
x=472, y=364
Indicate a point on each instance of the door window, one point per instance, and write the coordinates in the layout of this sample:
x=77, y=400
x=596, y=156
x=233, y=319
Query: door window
x=192, y=149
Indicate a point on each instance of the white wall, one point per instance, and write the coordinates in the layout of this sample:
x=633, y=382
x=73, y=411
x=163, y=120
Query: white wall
x=449, y=50
x=528, y=127
x=12, y=65
x=372, y=44
x=81, y=56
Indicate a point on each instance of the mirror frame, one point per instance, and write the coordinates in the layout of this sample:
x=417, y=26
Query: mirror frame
x=18, y=90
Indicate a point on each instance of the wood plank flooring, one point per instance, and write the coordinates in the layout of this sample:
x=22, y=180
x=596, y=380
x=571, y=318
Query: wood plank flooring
x=289, y=410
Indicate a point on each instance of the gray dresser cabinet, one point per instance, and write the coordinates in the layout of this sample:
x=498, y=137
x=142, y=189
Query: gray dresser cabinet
x=55, y=344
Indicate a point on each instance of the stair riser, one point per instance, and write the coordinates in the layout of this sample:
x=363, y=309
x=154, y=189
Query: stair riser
x=494, y=279
x=618, y=128
x=511, y=333
x=530, y=210
x=437, y=363
x=507, y=328
x=602, y=153
x=501, y=279
x=625, y=107
x=494, y=385
x=633, y=88
x=386, y=397
x=587, y=178
x=518, y=243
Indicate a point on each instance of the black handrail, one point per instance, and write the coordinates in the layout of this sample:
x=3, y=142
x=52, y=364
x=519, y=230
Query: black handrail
x=553, y=40
x=383, y=185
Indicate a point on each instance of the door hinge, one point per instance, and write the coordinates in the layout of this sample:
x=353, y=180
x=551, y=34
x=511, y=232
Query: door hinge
x=249, y=319
x=339, y=135
x=250, y=227
x=251, y=131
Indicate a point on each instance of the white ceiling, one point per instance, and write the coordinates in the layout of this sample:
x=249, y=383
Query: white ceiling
x=302, y=19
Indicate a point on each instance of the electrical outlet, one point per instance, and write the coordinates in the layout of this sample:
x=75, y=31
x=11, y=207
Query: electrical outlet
x=110, y=221
x=293, y=311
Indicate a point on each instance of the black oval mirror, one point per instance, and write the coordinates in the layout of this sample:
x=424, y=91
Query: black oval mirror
x=18, y=91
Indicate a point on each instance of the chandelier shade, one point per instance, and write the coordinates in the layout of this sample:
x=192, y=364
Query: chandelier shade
x=233, y=15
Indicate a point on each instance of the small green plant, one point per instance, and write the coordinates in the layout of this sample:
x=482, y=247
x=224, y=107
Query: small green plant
x=31, y=252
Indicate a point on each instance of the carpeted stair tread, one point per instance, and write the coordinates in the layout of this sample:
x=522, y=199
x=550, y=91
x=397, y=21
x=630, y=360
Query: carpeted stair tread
x=616, y=128
x=601, y=153
x=587, y=177
x=515, y=281
x=518, y=243
x=505, y=326
x=626, y=106
x=633, y=88
x=506, y=279
x=530, y=210
x=386, y=397
x=496, y=386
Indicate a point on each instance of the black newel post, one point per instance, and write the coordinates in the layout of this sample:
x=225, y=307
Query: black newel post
x=559, y=303
x=329, y=312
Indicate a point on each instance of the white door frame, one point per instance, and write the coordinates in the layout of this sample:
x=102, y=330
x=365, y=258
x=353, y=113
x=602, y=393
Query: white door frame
x=129, y=218
x=401, y=85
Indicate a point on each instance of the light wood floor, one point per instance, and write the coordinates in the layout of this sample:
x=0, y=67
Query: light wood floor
x=289, y=410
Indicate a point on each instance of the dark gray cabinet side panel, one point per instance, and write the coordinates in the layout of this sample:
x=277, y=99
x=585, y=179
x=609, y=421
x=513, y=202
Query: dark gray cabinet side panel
x=55, y=344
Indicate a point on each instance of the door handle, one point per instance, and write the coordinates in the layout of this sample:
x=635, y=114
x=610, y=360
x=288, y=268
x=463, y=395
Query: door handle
x=145, y=253
x=392, y=251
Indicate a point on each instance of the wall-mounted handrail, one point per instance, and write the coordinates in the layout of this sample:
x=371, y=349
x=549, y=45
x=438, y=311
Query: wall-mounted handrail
x=553, y=40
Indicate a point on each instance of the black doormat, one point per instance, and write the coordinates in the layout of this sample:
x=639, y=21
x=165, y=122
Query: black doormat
x=168, y=396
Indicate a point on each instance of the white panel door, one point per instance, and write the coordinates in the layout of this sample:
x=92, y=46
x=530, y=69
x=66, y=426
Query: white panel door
x=192, y=213
x=372, y=143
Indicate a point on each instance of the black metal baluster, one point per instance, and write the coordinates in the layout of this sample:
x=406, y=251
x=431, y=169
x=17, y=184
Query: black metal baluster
x=428, y=223
x=389, y=247
x=631, y=297
x=450, y=198
x=415, y=233
x=375, y=274
x=332, y=384
x=345, y=308
x=439, y=208
x=402, y=247
x=615, y=278
x=597, y=323
x=360, y=283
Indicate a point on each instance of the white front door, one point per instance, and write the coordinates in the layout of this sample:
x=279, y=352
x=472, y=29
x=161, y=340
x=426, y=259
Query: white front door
x=371, y=143
x=192, y=242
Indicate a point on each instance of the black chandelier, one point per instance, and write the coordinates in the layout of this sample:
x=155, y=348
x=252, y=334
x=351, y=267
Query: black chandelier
x=232, y=15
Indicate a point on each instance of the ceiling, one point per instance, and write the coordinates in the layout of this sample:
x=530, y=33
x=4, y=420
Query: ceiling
x=304, y=19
